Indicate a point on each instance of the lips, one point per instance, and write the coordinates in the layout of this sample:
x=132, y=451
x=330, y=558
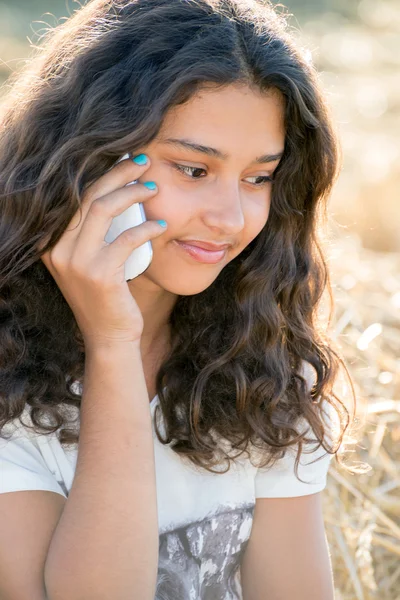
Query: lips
x=201, y=254
x=205, y=245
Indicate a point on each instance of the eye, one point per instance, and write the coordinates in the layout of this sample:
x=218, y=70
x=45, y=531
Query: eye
x=183, y=169
x=265, y=179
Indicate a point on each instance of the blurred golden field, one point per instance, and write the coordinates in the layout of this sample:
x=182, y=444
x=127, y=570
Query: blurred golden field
x=362, y=512
x=356, y=48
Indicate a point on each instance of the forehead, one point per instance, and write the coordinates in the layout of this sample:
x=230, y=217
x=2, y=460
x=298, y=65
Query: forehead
x=233, y=115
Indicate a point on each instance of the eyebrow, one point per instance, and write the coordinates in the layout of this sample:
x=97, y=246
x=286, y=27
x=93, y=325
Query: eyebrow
x=189, y=145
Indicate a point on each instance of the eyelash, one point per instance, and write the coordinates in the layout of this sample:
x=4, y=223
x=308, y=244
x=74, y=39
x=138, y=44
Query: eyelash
x=181, y=169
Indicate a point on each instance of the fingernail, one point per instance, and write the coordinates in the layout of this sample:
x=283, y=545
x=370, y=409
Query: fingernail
x=162, y=223
x=150, y=185
x=140, y=159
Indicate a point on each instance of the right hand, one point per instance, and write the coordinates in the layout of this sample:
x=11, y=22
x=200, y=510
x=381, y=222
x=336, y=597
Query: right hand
x=90, y=272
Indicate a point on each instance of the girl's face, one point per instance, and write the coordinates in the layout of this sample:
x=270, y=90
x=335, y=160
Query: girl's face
x=221, y=193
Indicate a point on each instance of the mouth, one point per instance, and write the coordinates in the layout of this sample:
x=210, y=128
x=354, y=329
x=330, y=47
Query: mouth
x=200, y=254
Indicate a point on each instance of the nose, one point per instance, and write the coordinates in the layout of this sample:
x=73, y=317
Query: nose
x=224, y=210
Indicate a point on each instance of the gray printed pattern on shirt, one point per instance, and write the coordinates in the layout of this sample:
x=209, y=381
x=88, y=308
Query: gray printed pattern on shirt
x=201, y=560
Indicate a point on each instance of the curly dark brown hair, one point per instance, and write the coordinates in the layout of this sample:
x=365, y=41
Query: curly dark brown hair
x=99, y=85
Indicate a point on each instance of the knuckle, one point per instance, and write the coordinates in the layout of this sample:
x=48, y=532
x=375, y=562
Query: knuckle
x=78, y=267
x=98, y=207
x=58, y=260
x=97, y=277
x=90, y=194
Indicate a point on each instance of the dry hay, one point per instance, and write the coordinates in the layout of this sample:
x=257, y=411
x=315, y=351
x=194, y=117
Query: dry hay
x=362, y=511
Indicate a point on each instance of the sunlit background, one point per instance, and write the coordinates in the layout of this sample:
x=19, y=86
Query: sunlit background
x=355, y=46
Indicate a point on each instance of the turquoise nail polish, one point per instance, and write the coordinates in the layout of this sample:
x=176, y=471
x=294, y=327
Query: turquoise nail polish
x=162, y=222
x=140, y=159
x=150, y=185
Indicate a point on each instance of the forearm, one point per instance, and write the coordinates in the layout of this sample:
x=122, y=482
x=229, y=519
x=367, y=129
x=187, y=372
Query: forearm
x=105, y=546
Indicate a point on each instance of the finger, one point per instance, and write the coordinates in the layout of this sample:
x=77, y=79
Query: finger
x=120, y=175
x=100, y=215
x=116, y=253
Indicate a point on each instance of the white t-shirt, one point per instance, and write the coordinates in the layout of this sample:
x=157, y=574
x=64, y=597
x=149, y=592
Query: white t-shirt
x=205, y=519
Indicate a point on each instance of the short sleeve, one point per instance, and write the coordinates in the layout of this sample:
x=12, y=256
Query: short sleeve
x=22, y=465
x=280, y=480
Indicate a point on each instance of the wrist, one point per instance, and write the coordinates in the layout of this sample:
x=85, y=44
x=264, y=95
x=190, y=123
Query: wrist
x=108, y=346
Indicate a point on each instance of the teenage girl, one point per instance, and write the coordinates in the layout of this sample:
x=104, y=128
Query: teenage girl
x=167, y=436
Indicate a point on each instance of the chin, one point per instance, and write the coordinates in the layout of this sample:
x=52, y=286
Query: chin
x=187, y=284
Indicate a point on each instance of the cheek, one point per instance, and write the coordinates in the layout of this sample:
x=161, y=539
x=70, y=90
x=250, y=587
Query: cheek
x=167, y=204
x=256, y=215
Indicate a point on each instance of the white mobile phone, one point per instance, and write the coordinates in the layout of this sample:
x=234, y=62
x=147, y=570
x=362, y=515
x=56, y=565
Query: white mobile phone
x=138, y=261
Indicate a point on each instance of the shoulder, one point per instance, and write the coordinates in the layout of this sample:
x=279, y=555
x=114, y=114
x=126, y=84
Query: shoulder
x=30, y=460
x=280, y=479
